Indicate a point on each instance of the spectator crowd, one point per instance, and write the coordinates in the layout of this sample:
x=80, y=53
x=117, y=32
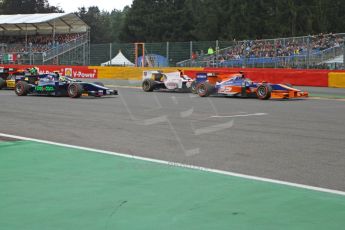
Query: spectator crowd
x=34, y=43
x=282, y=47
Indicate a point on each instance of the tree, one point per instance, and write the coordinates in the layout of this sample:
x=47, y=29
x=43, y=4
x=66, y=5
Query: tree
x=181, y=20
x=27, y=7
x=203, y=20
x=157, y=20
x=117, y=19
x=99, y=23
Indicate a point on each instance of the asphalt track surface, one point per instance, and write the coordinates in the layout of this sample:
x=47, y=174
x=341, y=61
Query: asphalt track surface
x=300, y=141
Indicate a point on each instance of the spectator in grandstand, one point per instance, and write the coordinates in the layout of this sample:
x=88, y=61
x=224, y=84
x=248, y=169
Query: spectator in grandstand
x=210, y=51
x=37, y=43
x=282, y=47
x=194, y=56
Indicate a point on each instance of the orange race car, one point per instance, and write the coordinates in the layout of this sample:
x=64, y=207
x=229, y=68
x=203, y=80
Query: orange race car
x=240, y=86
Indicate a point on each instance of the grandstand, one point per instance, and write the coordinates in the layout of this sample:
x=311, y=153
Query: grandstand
x=296, y=52
x=54, y=38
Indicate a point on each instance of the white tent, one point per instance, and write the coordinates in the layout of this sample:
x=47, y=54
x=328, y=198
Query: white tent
x=118, y=60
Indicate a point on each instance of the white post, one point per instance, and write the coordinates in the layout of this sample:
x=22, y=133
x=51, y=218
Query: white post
x=190, y=49
x=110, y=54
x=168, y=52
x=54, y=33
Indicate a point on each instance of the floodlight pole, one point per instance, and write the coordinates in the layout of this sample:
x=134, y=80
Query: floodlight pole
x=190, y=50
x=168, y=53
x=30, y=53
x=53, y=32
x=3, y=52
x=308, y=51
x=26, y=37
x=84, y=56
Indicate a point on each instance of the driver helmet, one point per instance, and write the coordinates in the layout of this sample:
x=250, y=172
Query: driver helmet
x=242, y=74
x=57, y=73
x=62, y=78
x=181, y=72
x=33, y=71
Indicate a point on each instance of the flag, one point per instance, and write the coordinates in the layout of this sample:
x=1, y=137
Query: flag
x=10, y=57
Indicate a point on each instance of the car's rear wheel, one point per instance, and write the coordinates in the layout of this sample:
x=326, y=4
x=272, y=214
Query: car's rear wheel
x=22, y=88
x=74, y=90
x=264, y=92
x=205, y=89
x=193, y=87
x=148, y=85
x=2, y=83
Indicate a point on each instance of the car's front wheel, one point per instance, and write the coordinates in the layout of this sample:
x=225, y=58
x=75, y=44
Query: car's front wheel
x=74, y=90
x=263, y=92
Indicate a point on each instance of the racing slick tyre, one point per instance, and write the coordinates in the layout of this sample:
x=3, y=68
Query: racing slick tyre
x=2, y=83
x=193, y=87
x=98, y=83
x=264, y=92
x=205, y=89
x=22, y=88
x=74, y=90
x=148, y=85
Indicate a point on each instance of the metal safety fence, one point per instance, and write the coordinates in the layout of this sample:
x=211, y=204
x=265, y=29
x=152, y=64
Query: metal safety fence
x=172, y=52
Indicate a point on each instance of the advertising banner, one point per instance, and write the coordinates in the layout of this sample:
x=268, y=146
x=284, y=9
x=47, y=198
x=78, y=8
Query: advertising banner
x=72, y=71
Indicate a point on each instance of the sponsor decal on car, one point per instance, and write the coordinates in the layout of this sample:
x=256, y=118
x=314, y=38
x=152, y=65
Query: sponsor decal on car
x=171, y=85
x=225, y=89
x=44, y=88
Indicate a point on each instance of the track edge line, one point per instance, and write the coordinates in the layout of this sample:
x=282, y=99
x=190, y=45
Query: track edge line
x=217, y=171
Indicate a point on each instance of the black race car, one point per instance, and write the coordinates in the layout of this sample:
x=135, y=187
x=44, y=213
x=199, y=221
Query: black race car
x=55, y=85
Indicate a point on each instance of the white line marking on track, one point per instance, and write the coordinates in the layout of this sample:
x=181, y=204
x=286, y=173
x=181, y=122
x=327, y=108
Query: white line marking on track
x=241, y=115
x=124, y=86
x=326, y=190
x=326, y=99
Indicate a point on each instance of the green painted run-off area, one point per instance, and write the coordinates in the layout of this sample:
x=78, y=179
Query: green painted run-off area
x=49, y=187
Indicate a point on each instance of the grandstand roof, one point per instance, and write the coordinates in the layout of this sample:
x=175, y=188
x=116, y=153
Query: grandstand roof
x=41, y=23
